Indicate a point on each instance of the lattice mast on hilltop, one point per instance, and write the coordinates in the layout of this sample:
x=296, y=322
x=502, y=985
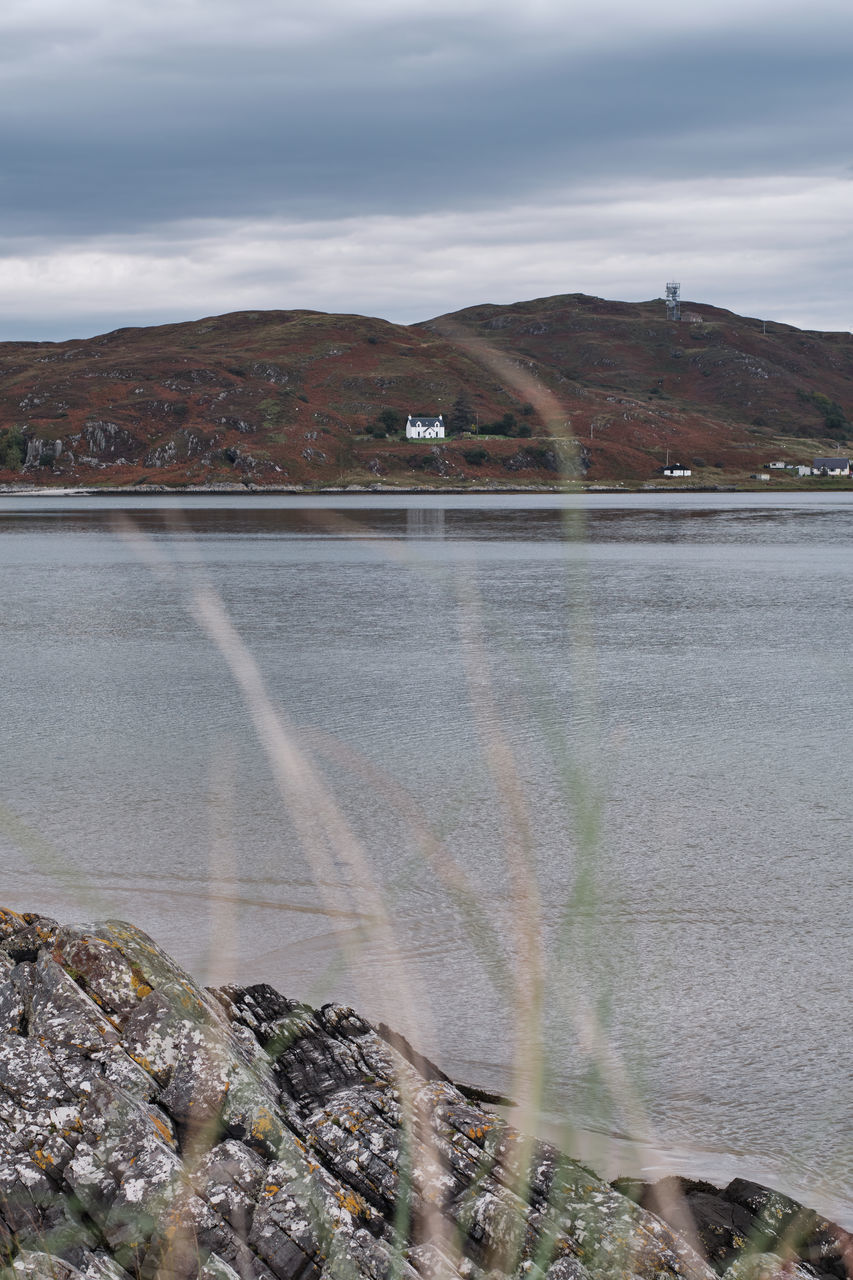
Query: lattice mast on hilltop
x=673, y=300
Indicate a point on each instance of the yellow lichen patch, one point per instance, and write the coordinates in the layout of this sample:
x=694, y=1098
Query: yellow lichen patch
x=143, y=1062
x=42, y=1158
x=271, y=1188
x=479, y=1131
x=352, y=1202
x=264, y=1124
x=161, y=1128
x=141, y=989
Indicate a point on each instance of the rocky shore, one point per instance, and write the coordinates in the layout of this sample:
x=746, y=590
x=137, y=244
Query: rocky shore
x=149, y=1127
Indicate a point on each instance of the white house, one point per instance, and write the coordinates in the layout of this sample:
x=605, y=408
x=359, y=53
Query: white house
x=803, y=470
x=831, y=467
x=676, y=470
x=423, y=426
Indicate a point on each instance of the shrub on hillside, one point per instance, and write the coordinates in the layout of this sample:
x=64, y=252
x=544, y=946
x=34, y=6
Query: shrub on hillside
x=422, y=461
x=834, y=418
x=462, y=416
x=13, y=450
x=389, y=421
x=475, y=457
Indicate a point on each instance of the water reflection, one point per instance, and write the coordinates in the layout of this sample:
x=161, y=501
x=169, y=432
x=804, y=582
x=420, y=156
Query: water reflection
x=697, y=519
x=425, y=522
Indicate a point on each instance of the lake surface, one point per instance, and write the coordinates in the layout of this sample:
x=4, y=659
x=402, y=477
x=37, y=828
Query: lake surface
x=407, y=753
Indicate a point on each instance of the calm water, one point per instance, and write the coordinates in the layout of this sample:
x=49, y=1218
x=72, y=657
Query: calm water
x=613, y=728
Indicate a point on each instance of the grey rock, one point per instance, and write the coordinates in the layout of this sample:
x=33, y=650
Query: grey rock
x=10, y=923
x=13, y=997
x=722, y=1226
x=35, y=1264
x=151, y=1128
x=746, y=1219
x=217, y=1268
x=765, y=1266
x=26, y=943
x=61, y=1013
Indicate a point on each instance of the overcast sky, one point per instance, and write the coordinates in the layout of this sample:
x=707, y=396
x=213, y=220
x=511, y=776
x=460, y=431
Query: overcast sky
x=168, y=159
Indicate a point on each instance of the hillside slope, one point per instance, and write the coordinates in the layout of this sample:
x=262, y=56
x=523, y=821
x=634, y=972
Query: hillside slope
x=631, y=384
x=585, y=388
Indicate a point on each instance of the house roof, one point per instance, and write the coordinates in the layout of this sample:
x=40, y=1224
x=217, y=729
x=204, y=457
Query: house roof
x=831, y=462
x=425, y=417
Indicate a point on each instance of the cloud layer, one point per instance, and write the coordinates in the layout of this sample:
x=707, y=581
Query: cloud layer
x=404, y=158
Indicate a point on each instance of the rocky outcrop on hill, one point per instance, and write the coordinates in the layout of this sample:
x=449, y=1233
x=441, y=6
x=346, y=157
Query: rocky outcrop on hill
x=149, y=1128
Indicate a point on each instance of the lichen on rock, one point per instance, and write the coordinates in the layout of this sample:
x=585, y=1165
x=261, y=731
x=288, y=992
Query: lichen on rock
x=150, y=1128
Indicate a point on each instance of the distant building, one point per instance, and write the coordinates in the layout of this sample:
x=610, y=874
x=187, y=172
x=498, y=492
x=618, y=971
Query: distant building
x=775, y=466
x=803, y=470
x=676, y=470
x=831, y=467
x=424, y=426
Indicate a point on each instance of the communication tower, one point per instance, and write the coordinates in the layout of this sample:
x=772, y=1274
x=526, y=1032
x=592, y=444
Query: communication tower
x=673, y=300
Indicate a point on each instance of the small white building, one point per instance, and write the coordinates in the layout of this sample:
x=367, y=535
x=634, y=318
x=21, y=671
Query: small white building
x=802, y=470
x=676, y=470
x=831, y=467
x=423, y=426
x=775, y=466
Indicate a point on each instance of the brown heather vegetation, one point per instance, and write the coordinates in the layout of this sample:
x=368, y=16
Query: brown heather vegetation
x=598, y=391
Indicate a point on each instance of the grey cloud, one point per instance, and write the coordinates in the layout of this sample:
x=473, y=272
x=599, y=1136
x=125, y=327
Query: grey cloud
x=160, y=154
x=414, y=120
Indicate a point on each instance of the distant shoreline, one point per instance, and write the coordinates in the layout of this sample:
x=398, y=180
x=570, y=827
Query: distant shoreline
x=353, y=490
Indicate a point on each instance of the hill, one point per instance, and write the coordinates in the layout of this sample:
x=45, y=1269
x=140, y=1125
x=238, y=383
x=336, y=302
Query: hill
x=556, y=388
